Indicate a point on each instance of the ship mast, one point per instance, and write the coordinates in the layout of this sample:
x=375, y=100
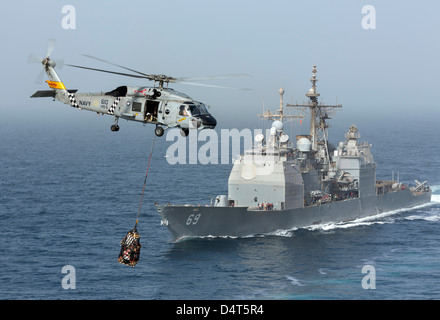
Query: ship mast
x=318, y=114
x=279, y=114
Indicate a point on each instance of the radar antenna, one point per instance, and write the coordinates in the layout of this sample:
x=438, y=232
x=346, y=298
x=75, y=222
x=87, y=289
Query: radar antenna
x=318, y=114
x=279, y=114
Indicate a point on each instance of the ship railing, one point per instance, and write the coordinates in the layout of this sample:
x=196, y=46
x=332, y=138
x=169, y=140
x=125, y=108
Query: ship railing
x=262, y=208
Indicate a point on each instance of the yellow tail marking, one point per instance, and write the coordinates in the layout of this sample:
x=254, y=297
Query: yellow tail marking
x=56, y=85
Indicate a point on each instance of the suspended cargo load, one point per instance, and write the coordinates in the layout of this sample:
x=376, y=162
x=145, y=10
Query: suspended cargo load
x=130, y=248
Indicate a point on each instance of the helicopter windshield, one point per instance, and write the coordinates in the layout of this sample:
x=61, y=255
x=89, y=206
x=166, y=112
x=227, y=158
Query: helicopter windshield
x=202, y=109
x=198, y=109
x=194, y=110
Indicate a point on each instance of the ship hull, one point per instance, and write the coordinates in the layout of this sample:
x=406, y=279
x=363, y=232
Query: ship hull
x=196, y=221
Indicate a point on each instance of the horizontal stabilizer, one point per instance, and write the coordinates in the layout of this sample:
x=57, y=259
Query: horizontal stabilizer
x=48, y=93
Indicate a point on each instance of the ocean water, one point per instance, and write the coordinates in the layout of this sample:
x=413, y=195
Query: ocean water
x=70, y=191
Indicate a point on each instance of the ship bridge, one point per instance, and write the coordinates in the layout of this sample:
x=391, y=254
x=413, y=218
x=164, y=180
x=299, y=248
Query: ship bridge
x=267, y=174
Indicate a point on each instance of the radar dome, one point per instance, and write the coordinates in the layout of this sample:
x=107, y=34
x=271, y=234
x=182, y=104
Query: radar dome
x=278, y=125
x=304, y=145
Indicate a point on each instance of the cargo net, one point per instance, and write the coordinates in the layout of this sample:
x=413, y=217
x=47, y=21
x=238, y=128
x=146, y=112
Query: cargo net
x=130, y=248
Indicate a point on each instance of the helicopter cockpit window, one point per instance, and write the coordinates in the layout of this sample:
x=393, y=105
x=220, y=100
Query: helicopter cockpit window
x=203, y=109
x=194, y=110
x=198, y=109
x=182, y=111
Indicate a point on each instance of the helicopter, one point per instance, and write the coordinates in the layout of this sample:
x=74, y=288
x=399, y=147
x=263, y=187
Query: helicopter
x=158, y=105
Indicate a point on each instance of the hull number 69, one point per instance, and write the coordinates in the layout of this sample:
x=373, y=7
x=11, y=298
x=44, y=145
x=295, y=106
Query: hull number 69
x=193, y=219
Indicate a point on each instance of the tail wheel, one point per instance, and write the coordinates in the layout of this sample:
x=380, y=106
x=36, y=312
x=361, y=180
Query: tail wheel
x=159, y=131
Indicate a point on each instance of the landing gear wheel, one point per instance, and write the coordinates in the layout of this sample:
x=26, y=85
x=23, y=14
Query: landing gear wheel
x=159, y=131
x=114, y=127
x=184, y=132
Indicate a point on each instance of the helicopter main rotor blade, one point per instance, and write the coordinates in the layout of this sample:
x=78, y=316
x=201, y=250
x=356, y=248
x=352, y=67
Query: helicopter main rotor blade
x=228, y=76
x=162, y=78
x=117, y=65
x=107, y=71
x=169, y=79
x=209, y=85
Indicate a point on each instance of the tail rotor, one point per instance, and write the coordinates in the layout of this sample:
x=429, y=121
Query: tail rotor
x=46, y=62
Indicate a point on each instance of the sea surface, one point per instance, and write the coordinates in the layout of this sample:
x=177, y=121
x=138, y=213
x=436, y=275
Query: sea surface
x=70, y=190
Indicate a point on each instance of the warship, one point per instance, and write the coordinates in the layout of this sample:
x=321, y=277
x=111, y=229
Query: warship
x=279, y=185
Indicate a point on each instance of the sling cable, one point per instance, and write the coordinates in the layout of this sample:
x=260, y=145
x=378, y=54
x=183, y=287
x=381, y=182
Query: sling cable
x=130, y=245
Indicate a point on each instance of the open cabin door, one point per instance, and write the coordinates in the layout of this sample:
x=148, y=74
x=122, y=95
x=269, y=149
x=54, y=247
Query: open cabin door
x=151, y=111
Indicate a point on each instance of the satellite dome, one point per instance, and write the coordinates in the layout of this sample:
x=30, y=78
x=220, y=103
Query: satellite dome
x=304, y=145
x=278, y=125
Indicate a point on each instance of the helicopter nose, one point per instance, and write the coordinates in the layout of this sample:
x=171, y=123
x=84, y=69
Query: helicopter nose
x=208, y=121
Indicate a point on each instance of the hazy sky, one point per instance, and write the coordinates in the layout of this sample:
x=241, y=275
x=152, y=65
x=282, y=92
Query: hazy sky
x=390, y=70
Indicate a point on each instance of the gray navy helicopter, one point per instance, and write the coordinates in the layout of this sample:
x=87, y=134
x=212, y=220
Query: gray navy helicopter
x=158, y=105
